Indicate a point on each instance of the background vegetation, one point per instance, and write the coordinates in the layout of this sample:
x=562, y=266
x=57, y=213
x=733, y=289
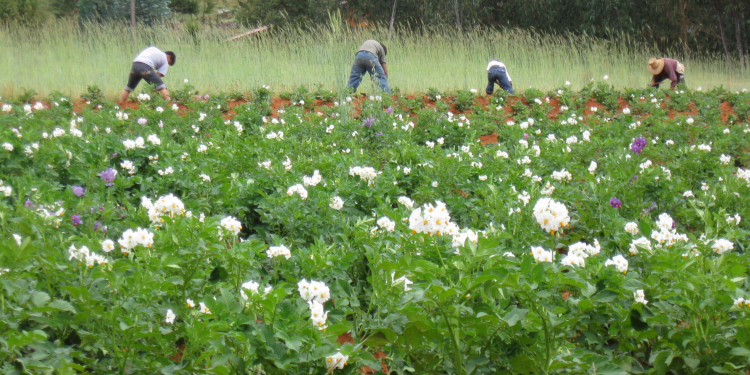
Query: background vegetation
x=688, y=27
x=67, y=56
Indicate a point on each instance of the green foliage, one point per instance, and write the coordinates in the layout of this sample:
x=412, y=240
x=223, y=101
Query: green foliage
x=463, y=100
x=475, y=303
x=251, y=13
x=94, y=96
x=146, y=11
x=27, y=12
x=27, y=96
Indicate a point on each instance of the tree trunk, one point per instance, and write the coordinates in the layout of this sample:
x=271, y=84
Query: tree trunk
x=393, y=16
x=746, y=38
x=684, y=26
x=458, y=14
x=738, y=31
x=717, y=4
x=132, y=14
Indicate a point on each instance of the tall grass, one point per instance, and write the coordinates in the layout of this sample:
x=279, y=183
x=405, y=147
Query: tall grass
x=67, y=57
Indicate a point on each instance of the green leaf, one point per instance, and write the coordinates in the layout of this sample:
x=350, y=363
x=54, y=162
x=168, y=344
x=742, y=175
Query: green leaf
x=637, y=322
x=218, y=274
x=692, y=362
x=740, y=351
x=610, y=369
x=662, y=360
x=22, y=339
x=62, y=305
x=514, y=316
x=605, y=296
x=585, y=304
x=40, y=298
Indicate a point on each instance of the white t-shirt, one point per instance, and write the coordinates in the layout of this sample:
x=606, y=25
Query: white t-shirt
x=499, y=64
x=154, y=58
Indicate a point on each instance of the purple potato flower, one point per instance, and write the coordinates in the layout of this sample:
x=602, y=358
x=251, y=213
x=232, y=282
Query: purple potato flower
x=379, y=134
x=369, y=121
x=108, y=176
x=638, y=145
x=615, y=203
x=78, y=191
x=389, y=110
x=98, y=226
x=76, y=219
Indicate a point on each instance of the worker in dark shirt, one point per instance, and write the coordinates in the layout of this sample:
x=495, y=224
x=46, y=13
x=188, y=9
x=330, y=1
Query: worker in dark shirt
x=664, y=69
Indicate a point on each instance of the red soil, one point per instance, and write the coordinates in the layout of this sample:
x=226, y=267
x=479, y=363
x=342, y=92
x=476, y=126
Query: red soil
x=484, y=101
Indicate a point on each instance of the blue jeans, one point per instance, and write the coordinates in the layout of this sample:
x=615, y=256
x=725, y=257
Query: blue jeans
x=499, y=75
x=367, y=62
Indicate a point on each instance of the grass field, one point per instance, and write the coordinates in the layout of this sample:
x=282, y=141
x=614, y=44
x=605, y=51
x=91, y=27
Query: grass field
x=66, y=57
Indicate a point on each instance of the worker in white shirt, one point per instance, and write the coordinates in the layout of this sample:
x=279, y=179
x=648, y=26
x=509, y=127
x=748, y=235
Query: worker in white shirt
x=151, y=64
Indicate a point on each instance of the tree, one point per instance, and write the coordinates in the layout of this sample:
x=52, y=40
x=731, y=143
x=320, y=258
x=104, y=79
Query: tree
x=146, y=11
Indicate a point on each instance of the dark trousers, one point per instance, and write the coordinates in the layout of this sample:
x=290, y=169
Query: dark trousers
x=498, y=75
x=141, y=71
x=680, y=79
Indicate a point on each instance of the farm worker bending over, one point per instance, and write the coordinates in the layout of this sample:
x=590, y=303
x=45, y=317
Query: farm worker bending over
x=370, y=58
x=151, y=64
x=664, y=69
x=496, y=72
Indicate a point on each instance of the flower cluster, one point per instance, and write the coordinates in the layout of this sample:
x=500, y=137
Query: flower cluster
x=721, y=246
x=252, y=287
x=551, y=215
x=336, y=203
x=406, y=201
x=584, y=250
x=365, y=173
x=631, y=228
x=130, y=239
x=387, y=224
x=642, y=243
x=336, y=361
x=667, y=235
x=231, y=225
x=83, y=254
x=167, y=205
x=313, y=180
x=133, y=144
x=299, y=189
x=619, y=262
x=740, y=302
x=5, y=190
x=313, y=291
x=562, y=175
x=459, y=239
x=430, y=219
x=541, y=255
x=278, y=251
x=316, y=293
x=640, y=297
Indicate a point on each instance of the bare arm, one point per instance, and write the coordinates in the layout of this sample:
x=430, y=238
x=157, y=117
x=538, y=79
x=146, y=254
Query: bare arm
x=385, y=69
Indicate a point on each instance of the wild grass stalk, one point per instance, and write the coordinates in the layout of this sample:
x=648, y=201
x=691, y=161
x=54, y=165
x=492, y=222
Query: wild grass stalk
x=67, y=56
